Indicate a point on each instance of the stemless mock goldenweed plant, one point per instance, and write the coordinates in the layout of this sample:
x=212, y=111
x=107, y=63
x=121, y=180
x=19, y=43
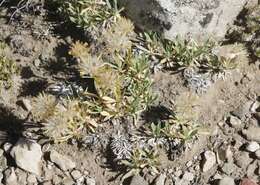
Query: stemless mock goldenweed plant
x=88, y=13
x=7, y=69
x=122, y=81
x=62, y=120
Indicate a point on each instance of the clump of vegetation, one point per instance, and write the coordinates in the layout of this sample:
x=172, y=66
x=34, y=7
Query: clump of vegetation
x=253, y=27
x=88, y=14
x=122, y=82
x=184, y=54
x=62, y=120
x=7, y=69
x=141, y=159
x=117, y=38
x=43, y=107
x=247, y=31
x=181, y=124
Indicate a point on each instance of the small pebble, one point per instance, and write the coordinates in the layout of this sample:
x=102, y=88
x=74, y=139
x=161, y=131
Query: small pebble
x=188, y=176
x=252, y=146
x=91, y=181
x=76, y=174
x=209, y=160
x=189, y=164
x=235, y=122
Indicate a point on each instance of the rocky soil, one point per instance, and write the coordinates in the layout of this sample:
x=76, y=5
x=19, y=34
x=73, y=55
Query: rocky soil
x=225, y=152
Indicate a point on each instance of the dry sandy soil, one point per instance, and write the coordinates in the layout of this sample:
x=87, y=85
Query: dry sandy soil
x=38, y=42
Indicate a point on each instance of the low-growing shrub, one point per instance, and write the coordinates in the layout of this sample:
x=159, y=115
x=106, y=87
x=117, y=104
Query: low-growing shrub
x=7, y=69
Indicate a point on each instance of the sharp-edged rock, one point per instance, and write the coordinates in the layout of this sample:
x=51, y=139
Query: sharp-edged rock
x=209, y=160
x=27, y=155
x=63, y=162
x=252, y=146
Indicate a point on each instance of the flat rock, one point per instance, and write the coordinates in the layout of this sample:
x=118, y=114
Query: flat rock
x=252, y=133
x=199, y=19
x=63, y=162
x=209, y=160
x=27, y=155
x=226, y=181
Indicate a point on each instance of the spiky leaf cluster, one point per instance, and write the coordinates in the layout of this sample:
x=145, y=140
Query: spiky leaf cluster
x=88, y=13
x=122, y=81
x=182, y=54
x=7, y=69
x=62, y=120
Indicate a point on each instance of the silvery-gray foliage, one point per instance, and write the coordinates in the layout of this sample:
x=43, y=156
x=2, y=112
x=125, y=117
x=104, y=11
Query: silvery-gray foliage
x=121, y=147
x=65, y=90
x=197, y=82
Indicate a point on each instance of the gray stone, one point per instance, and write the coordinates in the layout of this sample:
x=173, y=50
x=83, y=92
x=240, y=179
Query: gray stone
x=255, y=106
x=137, y=180
x=243, y=160
x=252, y=146
x=76, y=174
x=63, y=162
x=160, y=180
x=10, y=177
x=188, y=176
x=27, y=155
x=252, y=133
x=226, y=181
x=228, y=168
x=90, y=181
x=235, y=122
x=199, y=19
x=208, y=161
